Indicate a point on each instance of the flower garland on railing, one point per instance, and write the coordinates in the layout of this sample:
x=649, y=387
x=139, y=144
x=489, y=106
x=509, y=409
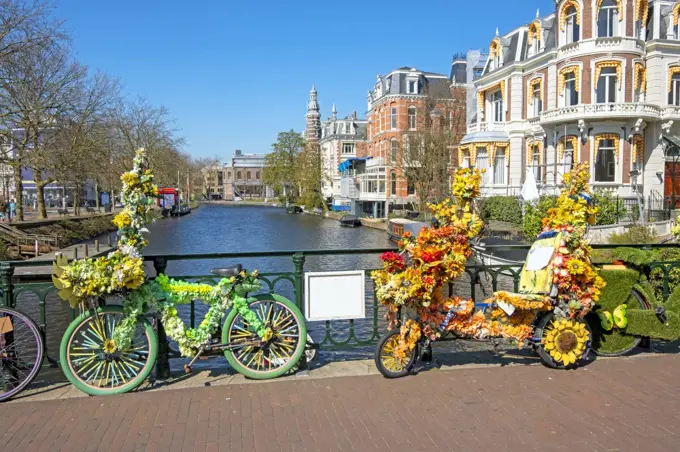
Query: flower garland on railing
x=122, y=271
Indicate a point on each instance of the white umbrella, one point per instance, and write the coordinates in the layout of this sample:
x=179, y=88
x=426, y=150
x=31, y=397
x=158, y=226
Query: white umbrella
x=529, y=189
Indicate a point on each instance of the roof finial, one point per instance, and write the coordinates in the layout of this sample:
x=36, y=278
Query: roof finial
x=334, y=113
x=497, y=32
x=538, y=14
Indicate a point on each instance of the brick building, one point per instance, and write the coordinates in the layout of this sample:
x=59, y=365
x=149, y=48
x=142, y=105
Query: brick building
x=595, y=81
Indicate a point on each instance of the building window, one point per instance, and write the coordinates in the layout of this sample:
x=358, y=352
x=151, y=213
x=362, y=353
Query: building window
x=257, y=175
x=568, y=159
x=412, y=87
x=466, y=160
x=348, y=128
x=573, y=31
x=482, y=163
x=238, y=175
x=348, y=148
x=393, y=183
x=536, y=162
x=228, y=175
x=411, y=118
x=606, y=86
x=537, y=102
x=248, y=175
x=674, y=94
x=605, y=164
x=570, y=89
x=393, y=118
x=411, y=189
x=607, y=19
x=499, y=167
x=393, y=151
x=497, y=102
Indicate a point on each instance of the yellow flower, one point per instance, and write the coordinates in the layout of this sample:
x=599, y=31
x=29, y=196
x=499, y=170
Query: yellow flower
x=576, y=267
x=129, y=179
x=122, y=219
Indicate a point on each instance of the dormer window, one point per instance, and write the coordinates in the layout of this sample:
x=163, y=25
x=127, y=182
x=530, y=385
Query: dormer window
x=495, y=53
x=608, y=18
x=348, y=128
x=412, y=88
x=534, y=37
x=571, y=24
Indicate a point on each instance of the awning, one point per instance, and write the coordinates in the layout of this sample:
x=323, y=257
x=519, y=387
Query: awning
x=485, y=137
x=349, y=163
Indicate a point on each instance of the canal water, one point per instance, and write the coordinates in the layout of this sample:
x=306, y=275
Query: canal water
x=215, y=228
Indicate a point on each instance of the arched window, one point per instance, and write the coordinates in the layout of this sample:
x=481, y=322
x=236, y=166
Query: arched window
x=248, y=175
x=572, y=27
x=393, y=151
x=238, y=175
x=393, y=117
x=257, y=175
x=411, y=118
x=393, y=183
x=608, y=18
x=641, y=16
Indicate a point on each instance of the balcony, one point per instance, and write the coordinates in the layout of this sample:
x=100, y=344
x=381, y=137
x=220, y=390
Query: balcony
x=601, y=111
x=671, y=112
x=625, y=44
x=486, y=127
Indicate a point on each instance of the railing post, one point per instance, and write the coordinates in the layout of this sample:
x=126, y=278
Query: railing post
x=162, y=362
x=299, y=263
x=6, y=273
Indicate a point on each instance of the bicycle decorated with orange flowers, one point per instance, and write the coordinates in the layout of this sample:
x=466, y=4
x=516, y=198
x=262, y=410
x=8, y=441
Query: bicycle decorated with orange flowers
x=558, y=285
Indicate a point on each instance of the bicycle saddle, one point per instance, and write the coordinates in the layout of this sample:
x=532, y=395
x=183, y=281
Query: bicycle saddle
x=227, y=271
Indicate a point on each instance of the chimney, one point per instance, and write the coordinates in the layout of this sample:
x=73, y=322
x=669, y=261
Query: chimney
x=237, y=152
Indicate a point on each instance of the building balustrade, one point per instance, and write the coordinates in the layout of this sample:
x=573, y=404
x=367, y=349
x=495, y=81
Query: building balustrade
x=486, y=127
x=602, y=111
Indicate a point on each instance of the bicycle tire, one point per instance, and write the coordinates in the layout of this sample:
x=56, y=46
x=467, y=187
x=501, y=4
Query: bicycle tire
x=381, y=354
x=37, y=361
x=231, y=327
x=121, y=364
x=634, y=340
x=541, y=325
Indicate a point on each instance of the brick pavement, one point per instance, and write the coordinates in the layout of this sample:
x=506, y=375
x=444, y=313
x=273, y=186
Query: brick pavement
x=624, y=404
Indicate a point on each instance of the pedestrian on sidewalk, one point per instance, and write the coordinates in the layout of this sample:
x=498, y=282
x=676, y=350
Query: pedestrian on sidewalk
x=5, y=209
x=12, y=209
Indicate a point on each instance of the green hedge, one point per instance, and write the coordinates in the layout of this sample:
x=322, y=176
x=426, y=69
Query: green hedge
x=502, y=208
x=534, y=214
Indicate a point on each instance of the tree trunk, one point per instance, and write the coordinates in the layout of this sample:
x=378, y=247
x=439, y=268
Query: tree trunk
x=76, y=200
x=40, y=192
x=18, y=190
x=96, y=191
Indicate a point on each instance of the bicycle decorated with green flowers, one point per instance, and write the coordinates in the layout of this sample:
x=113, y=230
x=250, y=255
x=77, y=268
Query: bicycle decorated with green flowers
x=111, y=349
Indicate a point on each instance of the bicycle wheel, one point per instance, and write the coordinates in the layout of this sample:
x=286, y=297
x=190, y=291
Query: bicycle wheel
x=21, y=352
x=616, y=342
x=91, y=361
x=261, y=359
x=566, y=340
x=388, y=364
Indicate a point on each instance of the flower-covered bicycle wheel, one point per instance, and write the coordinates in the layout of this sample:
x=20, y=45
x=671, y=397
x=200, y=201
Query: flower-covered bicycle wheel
x=92, y=360
x=278, y=350
x=391, y=359
x=564, y=342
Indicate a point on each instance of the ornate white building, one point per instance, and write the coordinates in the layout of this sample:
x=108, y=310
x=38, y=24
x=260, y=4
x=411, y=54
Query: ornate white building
x=596, y=81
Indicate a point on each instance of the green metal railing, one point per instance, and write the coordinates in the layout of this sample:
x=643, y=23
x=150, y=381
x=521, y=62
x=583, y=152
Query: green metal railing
x=24, y=291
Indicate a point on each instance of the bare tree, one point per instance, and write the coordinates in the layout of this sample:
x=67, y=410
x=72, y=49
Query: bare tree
x=38, y=87
x=425, y=157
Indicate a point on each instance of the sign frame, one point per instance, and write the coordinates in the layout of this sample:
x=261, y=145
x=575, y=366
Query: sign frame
x=356, y=313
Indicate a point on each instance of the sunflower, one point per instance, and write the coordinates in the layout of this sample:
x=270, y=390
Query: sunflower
x=576, y=267
x=566, y=341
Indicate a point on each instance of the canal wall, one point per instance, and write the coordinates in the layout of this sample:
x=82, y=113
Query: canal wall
x=367, y=222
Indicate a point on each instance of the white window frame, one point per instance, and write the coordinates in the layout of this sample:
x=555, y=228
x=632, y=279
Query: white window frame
x=600, y=150
x=393, y=183
x=393, y=118
x=412, y=118
x=536, y=102
x=568, y=78
x=570, y=24
x=612, y=13
x=394, y=149
x=675, y=90
x=499, y=167
x=497, y=106
x=347, y=148
x=610, y=77
x=412, y=86
x=482, y=163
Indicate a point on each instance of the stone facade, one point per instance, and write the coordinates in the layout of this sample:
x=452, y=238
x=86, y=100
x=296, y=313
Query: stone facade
x=595, y=82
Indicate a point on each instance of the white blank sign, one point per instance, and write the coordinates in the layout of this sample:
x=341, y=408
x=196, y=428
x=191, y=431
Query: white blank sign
x=335, y=295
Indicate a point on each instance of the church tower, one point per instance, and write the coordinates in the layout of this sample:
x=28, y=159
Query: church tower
x=313, y=129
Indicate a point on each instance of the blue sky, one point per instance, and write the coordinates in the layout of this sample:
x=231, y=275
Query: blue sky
x=235, y=73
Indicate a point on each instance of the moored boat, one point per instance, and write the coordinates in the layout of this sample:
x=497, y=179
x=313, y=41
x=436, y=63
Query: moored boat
x=350, y=221
x=396, y=228
x=294, y=209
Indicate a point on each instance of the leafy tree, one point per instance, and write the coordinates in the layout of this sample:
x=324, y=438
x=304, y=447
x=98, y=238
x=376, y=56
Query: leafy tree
x=281, y=170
